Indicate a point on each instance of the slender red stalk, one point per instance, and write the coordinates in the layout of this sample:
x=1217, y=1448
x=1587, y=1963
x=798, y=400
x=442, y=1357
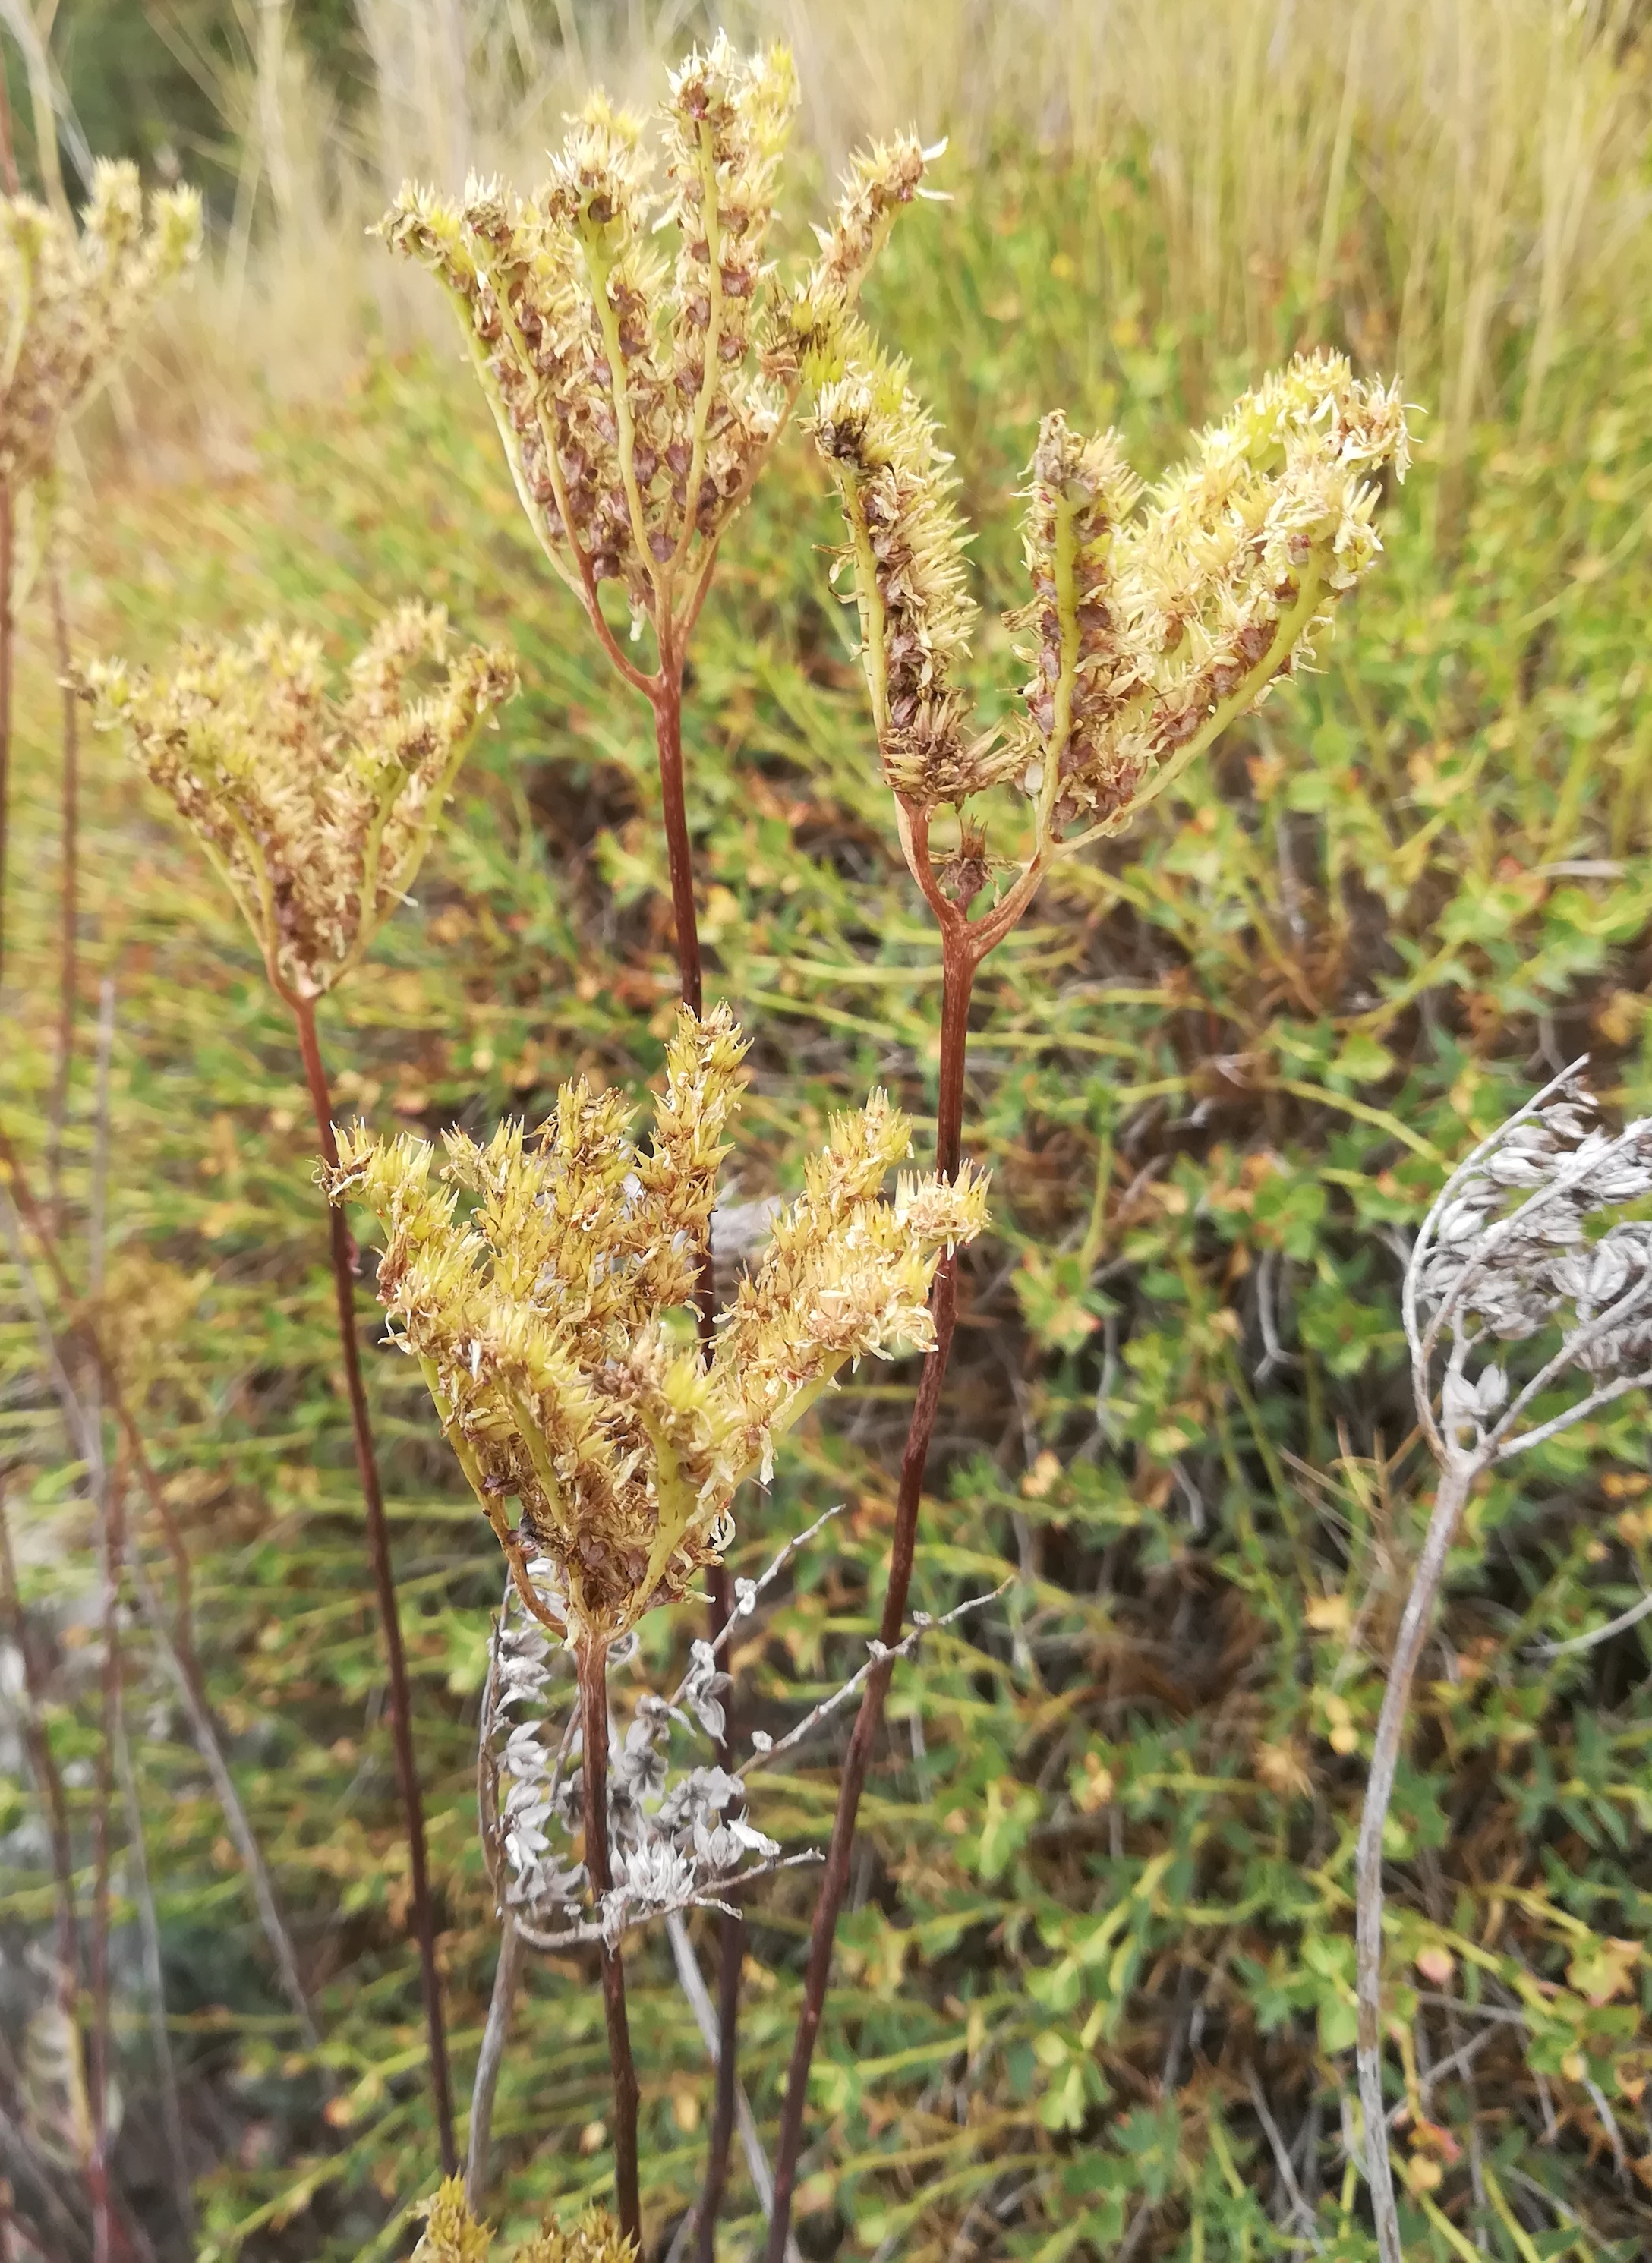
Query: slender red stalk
x=593, y=1768
x=384, y=1583
x=667, y=697
x=113, y=1545
x=957, y=979
x=69, y=962
x=731, y=1933
x=6, y=549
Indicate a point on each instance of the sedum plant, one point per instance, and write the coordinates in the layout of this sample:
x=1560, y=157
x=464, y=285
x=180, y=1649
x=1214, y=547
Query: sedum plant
x=542, y=1318
x=317, y=811
x=1155, y=619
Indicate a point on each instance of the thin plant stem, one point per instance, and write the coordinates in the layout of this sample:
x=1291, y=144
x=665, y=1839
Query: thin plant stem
x=384, y=1582
x=495, y=2035
x=7, y=549
x=1458, y=1472
x=593, y=1703
x=111, y=1518
x=667, y=701
x=154, y=1981
x=957, y=980
x=42, y=1762
x=68, y=899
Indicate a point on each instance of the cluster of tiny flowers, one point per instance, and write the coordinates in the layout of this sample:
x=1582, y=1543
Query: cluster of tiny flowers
x=1523, y=1244
x=452, y=2235
x=73, y=299
x=678, y=1834
x=315, y=811
x=1147, y=629
x=636, y=401
x=550, y=1319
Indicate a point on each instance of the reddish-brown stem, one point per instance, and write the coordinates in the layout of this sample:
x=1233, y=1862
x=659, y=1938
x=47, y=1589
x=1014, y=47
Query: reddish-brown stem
x=593, y=1768
x=384, y=1583
x=113, y=1548
x=731, y=1933
x=957, y=979
x=69, y=968
x=6, y=549
x=667, y=738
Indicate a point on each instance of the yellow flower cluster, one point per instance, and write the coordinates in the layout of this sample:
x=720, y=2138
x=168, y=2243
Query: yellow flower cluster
x=636, y=401
x=72, y=299
x=1149, y=629
x=317, y=812
x=452, y=2235
x=550, y=1317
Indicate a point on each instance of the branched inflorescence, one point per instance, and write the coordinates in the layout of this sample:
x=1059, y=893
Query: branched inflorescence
x=1148, y=629
x=452, y=2235
x=1525, y=1244
x=546, y=1318
x=73, y=299
x=636, y=400
x=315, y=811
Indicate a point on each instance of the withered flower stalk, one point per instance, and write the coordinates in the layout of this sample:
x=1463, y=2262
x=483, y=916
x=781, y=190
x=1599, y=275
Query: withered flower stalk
x=637, y=402
x=316, y=815
x=1148, y=631
x=1526, y=1260
x=552, y=1320
x=70, y=300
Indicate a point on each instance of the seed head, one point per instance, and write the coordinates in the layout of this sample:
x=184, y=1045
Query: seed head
x=542, y=1315
x=907, y=547
x=452, y=2235
x=73, y=299
x=636, y=401
x=315, y=811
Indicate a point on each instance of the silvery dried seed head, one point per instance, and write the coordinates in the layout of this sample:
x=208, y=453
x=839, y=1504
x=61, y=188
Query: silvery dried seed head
x=1525, y=1244
x=75, y=297
x=315, y=808
x=636, y=397
x=541, y=1317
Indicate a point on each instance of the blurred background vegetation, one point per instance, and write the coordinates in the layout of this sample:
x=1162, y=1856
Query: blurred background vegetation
x=1096, y=1992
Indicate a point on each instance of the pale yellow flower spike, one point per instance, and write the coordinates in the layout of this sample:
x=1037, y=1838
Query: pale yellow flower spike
x=316, y=813
x=452, y=2235
x=73, y=299
x=549, y=1317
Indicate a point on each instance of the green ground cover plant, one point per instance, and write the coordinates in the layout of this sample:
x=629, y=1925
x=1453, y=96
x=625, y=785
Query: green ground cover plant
x=1097, y=1978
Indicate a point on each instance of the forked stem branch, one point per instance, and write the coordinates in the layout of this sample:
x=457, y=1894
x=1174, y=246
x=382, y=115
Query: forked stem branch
x=384, y=1584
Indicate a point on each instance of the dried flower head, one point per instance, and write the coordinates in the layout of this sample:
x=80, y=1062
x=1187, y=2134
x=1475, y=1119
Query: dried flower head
x=73, y=299
x=544, y=1319
x=636, y=400
x=1148, y=631
x=452, y=2235
x=317, y=812
x=1527, y=1244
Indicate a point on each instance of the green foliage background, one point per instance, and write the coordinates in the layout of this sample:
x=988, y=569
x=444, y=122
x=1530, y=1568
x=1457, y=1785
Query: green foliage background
x=1096, y=1993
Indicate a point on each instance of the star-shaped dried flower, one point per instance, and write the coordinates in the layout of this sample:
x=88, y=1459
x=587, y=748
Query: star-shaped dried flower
x=73, y=299
x=317, y=811
x=551, y=1319
x=635, y=399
